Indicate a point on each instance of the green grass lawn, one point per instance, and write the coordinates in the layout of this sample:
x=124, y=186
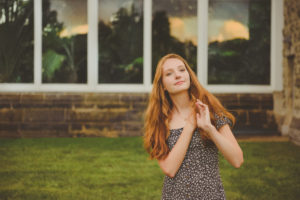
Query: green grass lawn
x=118, y=168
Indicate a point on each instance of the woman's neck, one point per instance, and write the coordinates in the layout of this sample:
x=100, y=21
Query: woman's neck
x=181, y=102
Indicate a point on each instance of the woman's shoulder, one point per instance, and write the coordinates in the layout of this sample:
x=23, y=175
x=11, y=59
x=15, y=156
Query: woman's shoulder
x=221, y=120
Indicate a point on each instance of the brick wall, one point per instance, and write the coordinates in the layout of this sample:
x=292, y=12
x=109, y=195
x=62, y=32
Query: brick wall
x=253, y=112
x=111, y=114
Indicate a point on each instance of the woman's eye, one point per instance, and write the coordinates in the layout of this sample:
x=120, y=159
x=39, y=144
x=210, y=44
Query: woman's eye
x=182, y=70
x=168, y=74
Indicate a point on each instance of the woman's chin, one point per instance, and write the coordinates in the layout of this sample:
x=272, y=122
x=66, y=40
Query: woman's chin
x=178, y=91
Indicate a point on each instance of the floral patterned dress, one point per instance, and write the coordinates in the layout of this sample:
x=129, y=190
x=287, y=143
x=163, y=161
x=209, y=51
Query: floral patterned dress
x=198, y=176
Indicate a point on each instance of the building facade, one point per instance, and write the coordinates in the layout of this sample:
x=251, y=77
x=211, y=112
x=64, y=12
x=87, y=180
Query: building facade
x=85, y=67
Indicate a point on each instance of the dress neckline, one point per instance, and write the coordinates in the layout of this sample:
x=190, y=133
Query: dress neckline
x=175, y=129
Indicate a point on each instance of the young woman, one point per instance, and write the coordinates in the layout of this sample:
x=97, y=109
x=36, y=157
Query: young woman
x=185, y=127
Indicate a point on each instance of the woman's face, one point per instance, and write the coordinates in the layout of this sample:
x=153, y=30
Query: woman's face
x=175, y=76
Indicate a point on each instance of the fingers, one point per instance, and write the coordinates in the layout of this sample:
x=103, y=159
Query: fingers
x=200, y=103
x=201, y=107
x=203, y=114
x=202, y=110
x=198, y=116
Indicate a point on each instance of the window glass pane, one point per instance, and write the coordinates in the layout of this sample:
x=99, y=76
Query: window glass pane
x=65, y=31
x=16, y=41
x=120, y=41
x=239, y=42
x=174, y=30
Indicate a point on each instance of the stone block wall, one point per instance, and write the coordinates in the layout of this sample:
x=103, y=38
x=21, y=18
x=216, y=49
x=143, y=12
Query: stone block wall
x=253, y=112
x=70, y=115
x=112, y=114
x=287, y=103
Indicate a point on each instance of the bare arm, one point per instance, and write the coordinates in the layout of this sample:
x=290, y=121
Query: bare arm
x=173, y=161
x=224, y=139
x=227, y=145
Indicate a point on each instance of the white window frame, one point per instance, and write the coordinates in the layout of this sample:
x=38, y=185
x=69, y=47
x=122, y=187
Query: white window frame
x=202, y=56
x=275, y=54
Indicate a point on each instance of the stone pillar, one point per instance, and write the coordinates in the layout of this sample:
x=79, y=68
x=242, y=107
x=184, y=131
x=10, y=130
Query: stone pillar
x=290, y=111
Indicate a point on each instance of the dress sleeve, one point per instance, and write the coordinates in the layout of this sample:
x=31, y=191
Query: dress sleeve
x=221, y=121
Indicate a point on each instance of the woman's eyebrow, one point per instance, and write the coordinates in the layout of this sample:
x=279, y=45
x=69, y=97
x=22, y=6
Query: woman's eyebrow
x=170, y=69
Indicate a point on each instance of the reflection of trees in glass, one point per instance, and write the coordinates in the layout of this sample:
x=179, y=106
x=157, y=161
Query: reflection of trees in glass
x=163, y=42
x=64, y=59
x=121, y=48
x=16, y=41
x=241, y=61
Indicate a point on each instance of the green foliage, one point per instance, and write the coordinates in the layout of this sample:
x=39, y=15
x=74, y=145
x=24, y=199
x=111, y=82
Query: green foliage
x=16, y=41
x=163, y=42
x=241, y=61
x=16, y=49
x=121, y=45
x=121, y=48
x=118, y=168
x=51, y=62
x=131, y=70
x=73, y=69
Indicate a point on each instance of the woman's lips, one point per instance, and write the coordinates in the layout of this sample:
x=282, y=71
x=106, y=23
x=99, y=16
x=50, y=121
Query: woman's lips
x=179, y=82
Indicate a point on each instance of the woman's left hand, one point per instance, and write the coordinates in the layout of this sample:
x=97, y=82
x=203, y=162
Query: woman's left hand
x=202, y=116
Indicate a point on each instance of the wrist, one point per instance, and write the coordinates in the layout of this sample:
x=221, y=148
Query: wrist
x=209, y=128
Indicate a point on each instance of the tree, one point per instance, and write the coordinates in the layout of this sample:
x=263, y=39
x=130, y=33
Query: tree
x=240, y=61
x=163, y=42
x=16, y=39
x=121, y=48
x=64, y=58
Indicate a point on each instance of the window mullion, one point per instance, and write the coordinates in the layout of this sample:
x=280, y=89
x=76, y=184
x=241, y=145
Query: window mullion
x=37, y=72
x=276, y=44
x=202, y=14
x=147, y=43
x=92, y=62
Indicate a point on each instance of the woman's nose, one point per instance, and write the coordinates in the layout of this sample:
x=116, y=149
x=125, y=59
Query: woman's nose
x=177, y=75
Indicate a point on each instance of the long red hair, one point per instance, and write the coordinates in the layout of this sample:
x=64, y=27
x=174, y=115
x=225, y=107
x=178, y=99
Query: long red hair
x=160, y=106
